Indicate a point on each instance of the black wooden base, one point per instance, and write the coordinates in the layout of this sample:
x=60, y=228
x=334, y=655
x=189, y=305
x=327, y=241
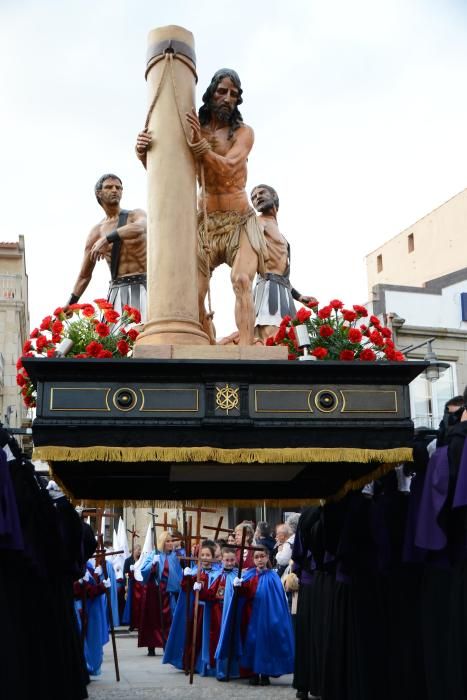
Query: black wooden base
x=229, y=406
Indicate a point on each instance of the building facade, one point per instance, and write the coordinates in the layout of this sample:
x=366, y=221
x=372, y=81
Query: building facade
x=438, y=310
x=14, y=329
x=431, y=248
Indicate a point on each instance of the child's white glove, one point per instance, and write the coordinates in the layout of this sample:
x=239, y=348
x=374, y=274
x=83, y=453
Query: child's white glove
x=237, y=581
x=87, y=576
x=132, y=567
x=98, y=570
x=187, y=571
x=197, y=586
x=107, y=582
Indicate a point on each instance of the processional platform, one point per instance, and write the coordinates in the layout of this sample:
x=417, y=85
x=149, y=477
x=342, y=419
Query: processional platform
x=224, y=431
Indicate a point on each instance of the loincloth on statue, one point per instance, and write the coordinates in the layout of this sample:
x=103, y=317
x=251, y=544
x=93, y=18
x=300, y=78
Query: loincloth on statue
x=273, y=299
x=223, y=239
x=129, y=290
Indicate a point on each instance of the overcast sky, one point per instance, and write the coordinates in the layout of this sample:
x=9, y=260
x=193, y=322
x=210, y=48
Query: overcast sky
x=359, y=110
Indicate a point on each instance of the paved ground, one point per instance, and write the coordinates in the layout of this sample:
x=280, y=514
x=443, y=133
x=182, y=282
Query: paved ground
x=146, y=677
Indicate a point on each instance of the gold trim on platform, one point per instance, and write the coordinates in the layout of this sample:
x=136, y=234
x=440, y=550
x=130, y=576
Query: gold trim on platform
x=284, y=410
x=79, y=388
x=280, y=455
x=344, y=408
x=170, y=410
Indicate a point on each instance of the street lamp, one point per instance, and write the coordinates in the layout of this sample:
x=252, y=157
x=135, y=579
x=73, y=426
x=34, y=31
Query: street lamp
x=435, y=367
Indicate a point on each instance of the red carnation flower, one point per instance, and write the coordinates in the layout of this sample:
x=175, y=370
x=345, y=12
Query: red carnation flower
x=313, y=303
x=367, y=355
x=34, y=333
x=325, y=312
x=361, y=310
x=133, y=313
x=133, y=334
x=75, y=307
x=346, y=355
x=102, y=330
x=389, y=344
x=104, y=354
x=19, y=364
x=58, y=311
x=291, y=334
x=286, y=320
x=386, y=332
x=41, y=343
x=88, y=310
x=303, y=315
x=46, y=323
x=269, y=341
x=376, y=338
x=349, y=315
x=291, y=356
x=355, y=335
x=57, y=327
x=399, y=356
x=375, y=321
x=20, y=379
x=336, y=304
x=82, y=355
x=29, y=401
x=111, y=316
x=123, y=347
x=51, y=352
x=326, y=331
x=280, y=335
x=103, y=304
x=56, y=339
x=363, y=328
x=94, y=348
x=319, y=352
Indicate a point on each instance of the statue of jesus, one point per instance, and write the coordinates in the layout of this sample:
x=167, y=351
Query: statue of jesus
x=221, y=143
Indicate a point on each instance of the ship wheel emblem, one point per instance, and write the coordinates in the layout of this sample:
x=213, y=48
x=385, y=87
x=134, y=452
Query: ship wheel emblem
x=227, y=398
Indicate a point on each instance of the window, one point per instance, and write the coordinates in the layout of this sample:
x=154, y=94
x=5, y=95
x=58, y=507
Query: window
x=379, y=263
x=410, y=243
x=427, y=399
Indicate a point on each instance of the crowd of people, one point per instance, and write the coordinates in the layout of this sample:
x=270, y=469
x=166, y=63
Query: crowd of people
x=227, y=590
x=360, y=598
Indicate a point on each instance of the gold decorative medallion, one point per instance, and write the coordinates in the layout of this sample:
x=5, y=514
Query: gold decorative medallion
x=227, y=398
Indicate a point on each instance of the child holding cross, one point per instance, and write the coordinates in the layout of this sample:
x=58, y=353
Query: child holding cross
x=179, y=647
x=260, y=637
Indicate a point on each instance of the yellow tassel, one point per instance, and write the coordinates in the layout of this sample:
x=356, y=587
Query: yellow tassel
x=266, y=455
x=200, y=502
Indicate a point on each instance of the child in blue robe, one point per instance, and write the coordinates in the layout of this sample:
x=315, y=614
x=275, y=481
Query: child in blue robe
x=263, y=642
x=179, y=644
x=91, y=610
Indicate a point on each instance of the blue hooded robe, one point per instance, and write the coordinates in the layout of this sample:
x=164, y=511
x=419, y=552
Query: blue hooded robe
x=268, y=645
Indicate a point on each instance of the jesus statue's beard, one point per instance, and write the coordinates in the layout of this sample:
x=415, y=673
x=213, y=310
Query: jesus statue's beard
x=221, y=112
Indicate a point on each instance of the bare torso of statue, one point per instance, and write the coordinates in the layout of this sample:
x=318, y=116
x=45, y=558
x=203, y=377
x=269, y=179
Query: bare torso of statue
x=130, y=235
x=225, y=190
x=278, y=254
x=132, y=259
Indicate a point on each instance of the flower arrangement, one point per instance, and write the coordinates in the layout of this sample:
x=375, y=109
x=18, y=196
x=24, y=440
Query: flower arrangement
x=92, y=333
x=336, y=333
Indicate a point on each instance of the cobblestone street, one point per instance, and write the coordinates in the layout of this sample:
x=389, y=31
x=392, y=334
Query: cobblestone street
x=146, y=677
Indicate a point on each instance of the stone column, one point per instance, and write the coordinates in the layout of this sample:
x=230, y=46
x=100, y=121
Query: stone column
x=173, y=317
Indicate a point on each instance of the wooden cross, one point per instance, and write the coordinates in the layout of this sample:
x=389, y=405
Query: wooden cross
x=134, y=534
x=165, y=522
x=218, y=528
x=101, y=553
